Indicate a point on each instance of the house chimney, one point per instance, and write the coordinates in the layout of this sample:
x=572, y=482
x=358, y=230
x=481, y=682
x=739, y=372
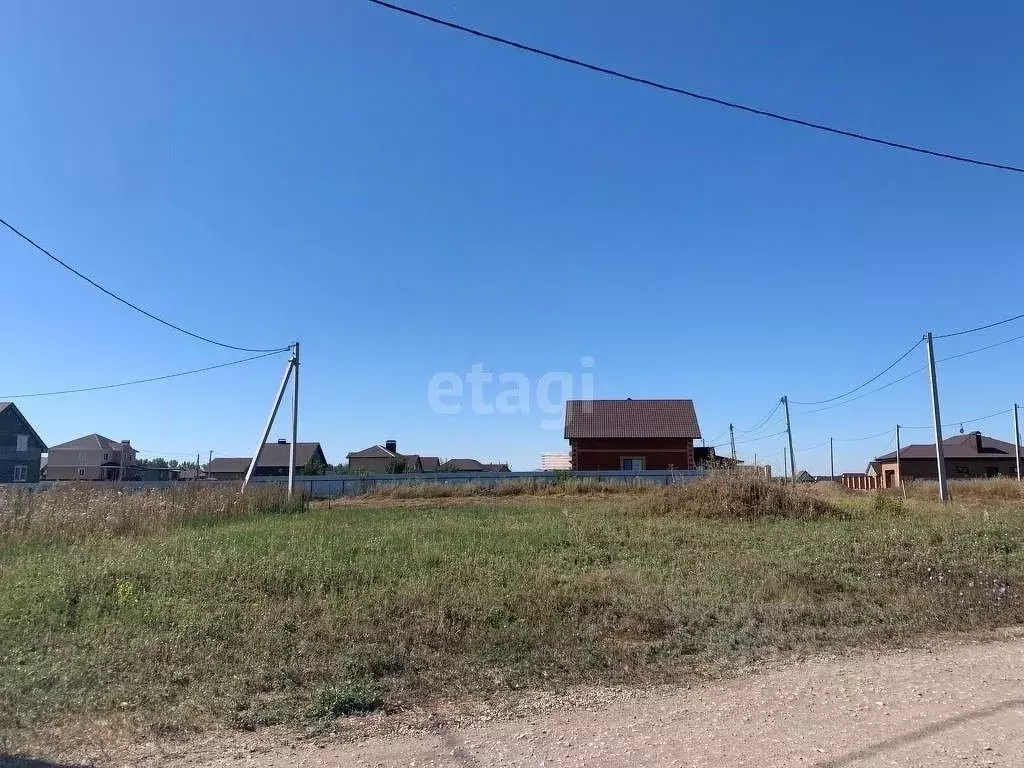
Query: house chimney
x=282, y=441
x=392, y=445
x=977, y=441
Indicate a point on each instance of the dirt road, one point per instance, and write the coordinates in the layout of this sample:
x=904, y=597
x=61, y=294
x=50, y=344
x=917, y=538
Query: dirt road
x=954, y=706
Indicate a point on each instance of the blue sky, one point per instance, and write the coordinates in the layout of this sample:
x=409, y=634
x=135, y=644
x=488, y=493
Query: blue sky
x=408, y=201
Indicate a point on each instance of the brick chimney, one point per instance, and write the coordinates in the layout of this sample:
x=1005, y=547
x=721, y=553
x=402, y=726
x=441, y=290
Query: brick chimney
x=392, y=445
x=977, y=441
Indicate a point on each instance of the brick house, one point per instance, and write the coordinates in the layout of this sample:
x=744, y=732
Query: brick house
x=385, y=459
x=968, y=456
x=632, y=435
x=273, y=461
x=21, y=448
x=93, y=457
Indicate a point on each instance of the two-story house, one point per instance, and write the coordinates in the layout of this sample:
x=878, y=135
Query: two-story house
x=20, y=447
x=92, y=457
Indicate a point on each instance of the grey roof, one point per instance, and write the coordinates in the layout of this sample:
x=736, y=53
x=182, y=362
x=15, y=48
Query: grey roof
x=93, y=442
x=462, y=465
x=373, y=452
x=228, y=464
x=956, y=447
x=272, y=455
x=4, y=405
x=631, y=419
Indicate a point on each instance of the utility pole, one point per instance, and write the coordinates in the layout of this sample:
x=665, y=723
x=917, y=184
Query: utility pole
x=785, y=464
x=273, y=414
x=940, y=456
x=732, y=442
x=1016, y=438
x=831, y=460
x=197, y=467
x=899, y=469
x=789, y=431
x=295, y=419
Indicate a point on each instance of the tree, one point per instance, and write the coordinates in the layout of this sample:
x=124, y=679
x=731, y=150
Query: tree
x=315, y=466
x=397, y=465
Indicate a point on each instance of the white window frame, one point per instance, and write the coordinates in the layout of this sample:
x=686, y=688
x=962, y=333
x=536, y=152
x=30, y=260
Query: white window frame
x=81, y=471
x=22, y=470
x=106, y=457
x=631, y=459
x=22, y=445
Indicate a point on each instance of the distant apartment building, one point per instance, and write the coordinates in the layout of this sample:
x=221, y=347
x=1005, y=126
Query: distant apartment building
x=555, y=462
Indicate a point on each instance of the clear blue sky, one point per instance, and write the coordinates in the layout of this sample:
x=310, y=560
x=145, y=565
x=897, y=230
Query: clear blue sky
x=406, y=200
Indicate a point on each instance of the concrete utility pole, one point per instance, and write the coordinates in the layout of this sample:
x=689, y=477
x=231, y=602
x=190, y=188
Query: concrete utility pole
x=940, y=456
x=295, y=419
x=785, y=464
x=899, y=469
x=831, y=460
x=1016, y=438
x=789, y=431
x=732, y=442
x=273, y=414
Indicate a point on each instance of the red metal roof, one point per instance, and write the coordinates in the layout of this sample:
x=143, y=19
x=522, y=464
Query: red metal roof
x=631, y=419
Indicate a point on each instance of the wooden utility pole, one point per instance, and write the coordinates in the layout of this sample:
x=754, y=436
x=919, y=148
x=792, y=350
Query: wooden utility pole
x=940, y=456
x=831, y=460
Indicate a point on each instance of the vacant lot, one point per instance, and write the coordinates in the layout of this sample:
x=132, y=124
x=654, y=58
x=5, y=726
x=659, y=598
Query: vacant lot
x=244, y=616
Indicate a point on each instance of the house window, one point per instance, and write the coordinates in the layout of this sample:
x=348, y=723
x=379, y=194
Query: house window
x=991, y=471
x=632, y=464
x=81, y=471
x=22, y=443
x=20, y=473
x=106, y=457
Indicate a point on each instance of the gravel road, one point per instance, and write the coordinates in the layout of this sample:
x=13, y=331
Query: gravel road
x=959, y=705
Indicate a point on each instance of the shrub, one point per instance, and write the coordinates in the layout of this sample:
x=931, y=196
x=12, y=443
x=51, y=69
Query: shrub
x=349, y=699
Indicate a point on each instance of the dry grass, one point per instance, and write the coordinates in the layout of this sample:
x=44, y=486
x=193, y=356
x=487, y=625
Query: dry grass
x=218, y=615
x=997, y=489
x=77, y=510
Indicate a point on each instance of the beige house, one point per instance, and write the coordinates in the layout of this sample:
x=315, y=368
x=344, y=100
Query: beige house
x=968, y=456
x=93, y=457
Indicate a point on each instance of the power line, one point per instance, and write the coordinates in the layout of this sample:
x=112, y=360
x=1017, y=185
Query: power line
x=124, y=301
x=693, y=94
x=969, y=330
x=763, y=421
x=142, y=381
x=865, y=437
x=874, y=378
x=961, y=422
x=979, y=349
x=912, y=373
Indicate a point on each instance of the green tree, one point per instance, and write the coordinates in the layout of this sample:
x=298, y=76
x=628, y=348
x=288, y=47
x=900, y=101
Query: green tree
x=315, y=466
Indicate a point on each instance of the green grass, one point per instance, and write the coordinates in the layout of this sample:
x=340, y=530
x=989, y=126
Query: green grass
x=259, y=620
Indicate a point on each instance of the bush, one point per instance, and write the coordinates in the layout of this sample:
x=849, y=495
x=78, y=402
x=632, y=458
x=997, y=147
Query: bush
x=349, y=699
x=736, y=495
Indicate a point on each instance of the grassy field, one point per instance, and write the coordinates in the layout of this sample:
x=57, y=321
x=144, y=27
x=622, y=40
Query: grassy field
x=172, y=614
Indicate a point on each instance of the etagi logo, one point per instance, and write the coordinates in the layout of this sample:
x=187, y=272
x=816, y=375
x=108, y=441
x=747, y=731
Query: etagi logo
x=511, y=393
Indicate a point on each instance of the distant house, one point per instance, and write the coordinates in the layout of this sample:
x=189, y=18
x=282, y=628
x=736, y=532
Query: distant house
x=93, y=457
x=707, y=457
x=632, y=435
x=273, y=461
x=385, y=459
x=472, y=465
x=972, y=455
x=21, y=448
